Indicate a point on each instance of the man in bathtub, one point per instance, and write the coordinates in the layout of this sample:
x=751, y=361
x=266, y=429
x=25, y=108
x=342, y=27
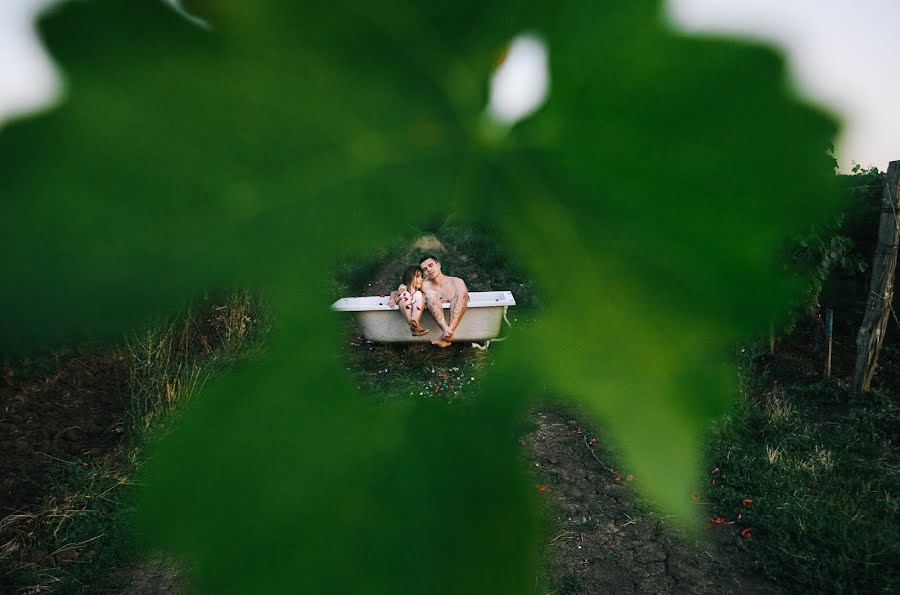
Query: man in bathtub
x=440, y=289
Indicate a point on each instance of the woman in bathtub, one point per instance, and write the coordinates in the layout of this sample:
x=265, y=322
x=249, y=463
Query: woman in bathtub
x=410, y=299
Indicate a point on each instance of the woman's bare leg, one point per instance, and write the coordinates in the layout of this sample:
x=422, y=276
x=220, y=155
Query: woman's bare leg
x=418, y=308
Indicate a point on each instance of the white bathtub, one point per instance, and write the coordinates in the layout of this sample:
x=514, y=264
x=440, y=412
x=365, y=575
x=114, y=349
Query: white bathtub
x=385, y=324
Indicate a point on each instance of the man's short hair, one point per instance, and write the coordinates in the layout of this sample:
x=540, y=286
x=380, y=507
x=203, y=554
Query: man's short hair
x=426, y=257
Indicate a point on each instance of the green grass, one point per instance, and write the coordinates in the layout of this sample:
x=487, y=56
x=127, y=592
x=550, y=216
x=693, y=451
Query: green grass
x=170, y=361
x=81, y=531
x=820, y=466
x=398, y=372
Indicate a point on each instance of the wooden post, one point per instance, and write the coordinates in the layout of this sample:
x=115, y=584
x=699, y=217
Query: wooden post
x=829, y=320
x=881, y=287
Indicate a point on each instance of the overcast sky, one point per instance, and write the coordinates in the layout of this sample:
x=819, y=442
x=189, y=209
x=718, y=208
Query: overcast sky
x=840, y=54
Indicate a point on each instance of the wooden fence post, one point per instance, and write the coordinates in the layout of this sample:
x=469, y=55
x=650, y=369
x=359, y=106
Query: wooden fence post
x=881, y=287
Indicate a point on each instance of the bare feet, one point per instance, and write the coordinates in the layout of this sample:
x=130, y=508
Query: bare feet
x=448, y=335
x=417, y=329
x=441, y=343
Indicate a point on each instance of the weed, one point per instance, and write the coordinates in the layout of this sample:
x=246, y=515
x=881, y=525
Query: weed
x=162, y=375
x=778, y=411
x=773, y=455
x=170, y=361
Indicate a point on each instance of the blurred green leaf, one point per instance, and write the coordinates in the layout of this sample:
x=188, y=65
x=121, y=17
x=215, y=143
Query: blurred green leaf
x=650, y=194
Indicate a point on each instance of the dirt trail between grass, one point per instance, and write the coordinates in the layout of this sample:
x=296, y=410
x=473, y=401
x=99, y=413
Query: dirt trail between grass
x=605, y=541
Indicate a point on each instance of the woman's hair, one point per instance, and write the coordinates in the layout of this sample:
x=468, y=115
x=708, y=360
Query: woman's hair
x=409, y=273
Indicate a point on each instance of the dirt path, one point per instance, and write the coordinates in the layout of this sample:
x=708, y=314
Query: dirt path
x=72, y=415
x=604, y=541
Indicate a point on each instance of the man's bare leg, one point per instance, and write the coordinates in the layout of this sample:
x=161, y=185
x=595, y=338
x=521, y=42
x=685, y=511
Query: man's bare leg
x=436, y=309
x=458, y=308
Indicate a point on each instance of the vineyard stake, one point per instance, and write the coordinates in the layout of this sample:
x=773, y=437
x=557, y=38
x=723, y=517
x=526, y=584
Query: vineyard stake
x=881, y=289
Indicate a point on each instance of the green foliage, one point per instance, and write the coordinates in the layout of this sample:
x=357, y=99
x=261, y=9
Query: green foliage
x=642, y=197
x=831, y=255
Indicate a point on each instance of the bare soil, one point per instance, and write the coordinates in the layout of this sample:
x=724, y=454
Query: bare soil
x=605, y=540
x=74, y=414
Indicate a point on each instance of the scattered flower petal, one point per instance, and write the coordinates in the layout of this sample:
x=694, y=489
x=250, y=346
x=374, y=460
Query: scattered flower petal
x=716, y=470
x=746, y=532
x=540, y=488
x=617, y=478
x=718, y=520
x=746, y=502
x=629, y=477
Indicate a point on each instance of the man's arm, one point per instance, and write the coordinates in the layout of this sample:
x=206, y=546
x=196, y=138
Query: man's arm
x=458, y=306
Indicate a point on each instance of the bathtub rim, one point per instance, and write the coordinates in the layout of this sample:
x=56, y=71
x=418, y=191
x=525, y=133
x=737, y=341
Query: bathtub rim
x=370, y=303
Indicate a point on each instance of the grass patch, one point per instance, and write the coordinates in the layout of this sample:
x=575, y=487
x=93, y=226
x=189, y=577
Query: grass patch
x=819, y=465
x=170, y=361
x=81, y=531
x=397, y=372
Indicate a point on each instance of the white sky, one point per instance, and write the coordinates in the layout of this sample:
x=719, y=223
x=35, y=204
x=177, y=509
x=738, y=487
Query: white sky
x=840, y=54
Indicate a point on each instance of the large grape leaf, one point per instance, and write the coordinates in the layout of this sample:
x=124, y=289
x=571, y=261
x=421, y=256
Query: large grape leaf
x=649, y=195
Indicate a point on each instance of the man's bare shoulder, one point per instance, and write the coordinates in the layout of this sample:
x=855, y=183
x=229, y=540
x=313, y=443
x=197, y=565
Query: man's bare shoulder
x=458, y=285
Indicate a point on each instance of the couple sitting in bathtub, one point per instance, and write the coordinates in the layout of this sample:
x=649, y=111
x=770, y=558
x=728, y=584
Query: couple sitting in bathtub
x=417, y=293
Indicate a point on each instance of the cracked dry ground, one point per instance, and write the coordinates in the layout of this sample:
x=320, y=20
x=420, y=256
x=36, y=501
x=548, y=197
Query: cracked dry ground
x=603, y=540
